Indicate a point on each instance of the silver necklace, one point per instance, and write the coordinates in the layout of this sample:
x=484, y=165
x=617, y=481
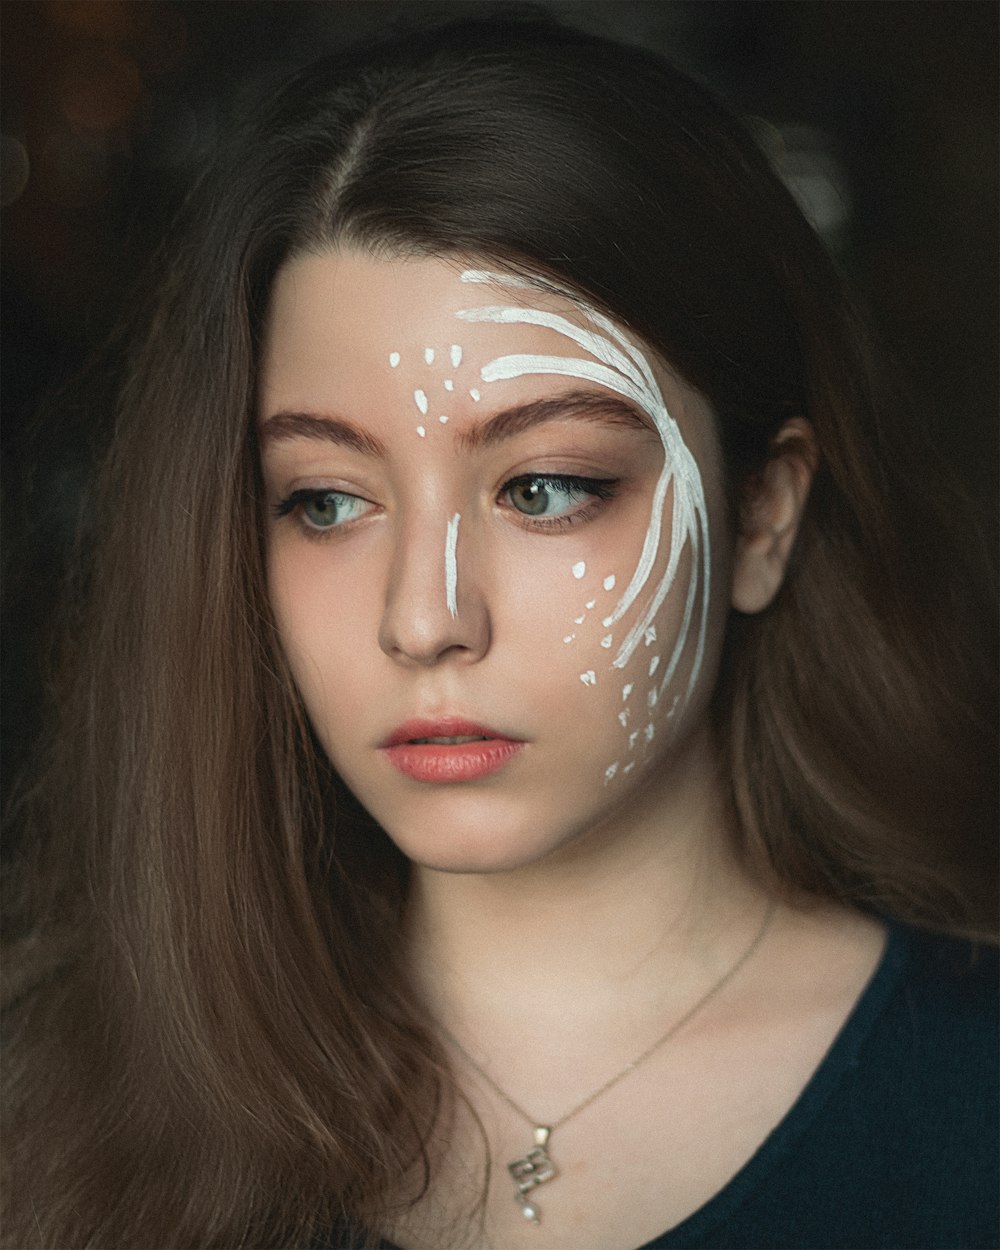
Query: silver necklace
x=536, y=1167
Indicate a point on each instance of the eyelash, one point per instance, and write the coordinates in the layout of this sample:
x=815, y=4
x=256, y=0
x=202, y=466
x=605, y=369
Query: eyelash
x=295, y=502
x=601, y=491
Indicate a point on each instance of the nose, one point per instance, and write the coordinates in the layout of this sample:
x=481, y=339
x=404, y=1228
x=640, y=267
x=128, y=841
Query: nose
x=435, y=609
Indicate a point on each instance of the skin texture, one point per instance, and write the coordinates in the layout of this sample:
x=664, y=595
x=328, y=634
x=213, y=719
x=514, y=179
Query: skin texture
x=364, y=608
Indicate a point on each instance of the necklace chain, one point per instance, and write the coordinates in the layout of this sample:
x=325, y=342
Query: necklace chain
x=646, y=1054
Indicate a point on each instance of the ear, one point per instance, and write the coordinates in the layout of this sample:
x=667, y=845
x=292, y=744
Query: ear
x=770, y=512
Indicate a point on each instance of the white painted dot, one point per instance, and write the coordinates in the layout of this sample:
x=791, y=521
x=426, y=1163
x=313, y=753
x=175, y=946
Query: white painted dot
x=649, y=732
x=654, y=664
x=608, y=620
x=650, y=635
x=569, y=637
x=609, y=582
x=476, y=395
x=626, y=691
x=623, y=718
x=394, y=360
x=578, y=620
x=579, y=569
x=652, y=698
x=628, y=767
x=421, y=431
x=610, y=771
x=633, y=739
x=428, y=355
x=443, y=420
x=589, y=678
x=449, y=385
x=606, y=641
x=456, y=355
x=590, y=604
x=420, y=399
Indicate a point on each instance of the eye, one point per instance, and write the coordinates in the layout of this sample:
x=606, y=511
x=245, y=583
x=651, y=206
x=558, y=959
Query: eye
x=323, y=509
x=556, y=495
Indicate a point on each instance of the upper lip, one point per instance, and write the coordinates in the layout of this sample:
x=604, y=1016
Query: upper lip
x=441, y=727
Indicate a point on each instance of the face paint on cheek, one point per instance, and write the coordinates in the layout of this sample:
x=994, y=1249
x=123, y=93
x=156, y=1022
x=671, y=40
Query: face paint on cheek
x=451, y=565
x=455, y=355
x=428, y=355
x=420, y=399
x=394, y=360
x=579, y=569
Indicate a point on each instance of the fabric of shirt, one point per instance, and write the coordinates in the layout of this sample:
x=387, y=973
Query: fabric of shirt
x=893, y=1142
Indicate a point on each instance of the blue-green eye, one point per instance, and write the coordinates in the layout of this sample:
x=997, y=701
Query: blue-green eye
x=323, y=509
x=556, y=495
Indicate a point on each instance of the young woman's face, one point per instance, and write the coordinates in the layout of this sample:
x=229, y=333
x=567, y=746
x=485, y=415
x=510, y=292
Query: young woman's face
x=489, y=552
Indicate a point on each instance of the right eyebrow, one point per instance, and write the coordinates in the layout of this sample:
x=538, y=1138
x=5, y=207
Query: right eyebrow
x=324, y=427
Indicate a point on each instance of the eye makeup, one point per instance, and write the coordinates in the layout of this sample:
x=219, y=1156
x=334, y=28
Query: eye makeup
x=320, y=511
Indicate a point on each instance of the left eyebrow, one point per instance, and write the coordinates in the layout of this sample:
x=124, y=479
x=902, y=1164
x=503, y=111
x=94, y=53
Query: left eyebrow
x=600, y=409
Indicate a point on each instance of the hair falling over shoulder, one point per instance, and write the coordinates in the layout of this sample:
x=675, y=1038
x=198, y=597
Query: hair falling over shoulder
x=212, y=1042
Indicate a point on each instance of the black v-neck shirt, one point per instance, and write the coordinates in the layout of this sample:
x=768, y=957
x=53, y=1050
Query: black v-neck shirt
x=892, y=1144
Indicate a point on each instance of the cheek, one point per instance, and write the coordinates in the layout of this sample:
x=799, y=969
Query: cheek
x=624, y=711
x=319, y=631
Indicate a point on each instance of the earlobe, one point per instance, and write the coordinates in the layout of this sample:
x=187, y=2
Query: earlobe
x=770, y=514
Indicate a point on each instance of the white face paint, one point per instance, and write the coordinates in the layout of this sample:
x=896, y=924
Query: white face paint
x=451, y=565
x=394, y=360
x=428, y=355
x=618, y=364
x=421, y=431
x=420, y=399
x=448, y=384
x=455, y=355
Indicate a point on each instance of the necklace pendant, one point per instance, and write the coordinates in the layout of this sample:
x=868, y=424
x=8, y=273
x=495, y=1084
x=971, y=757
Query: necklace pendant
x=532, y=1169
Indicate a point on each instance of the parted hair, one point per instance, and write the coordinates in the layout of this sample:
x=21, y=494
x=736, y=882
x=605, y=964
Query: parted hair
x=212, y=1042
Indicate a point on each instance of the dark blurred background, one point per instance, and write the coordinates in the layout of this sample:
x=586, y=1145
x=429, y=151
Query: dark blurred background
x=881, y=116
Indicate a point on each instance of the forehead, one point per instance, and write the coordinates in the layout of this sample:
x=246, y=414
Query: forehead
x=360, y=310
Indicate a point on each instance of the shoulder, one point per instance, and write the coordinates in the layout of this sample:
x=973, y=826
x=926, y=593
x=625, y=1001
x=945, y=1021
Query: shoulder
x=944, y=1004
x=912, y=1122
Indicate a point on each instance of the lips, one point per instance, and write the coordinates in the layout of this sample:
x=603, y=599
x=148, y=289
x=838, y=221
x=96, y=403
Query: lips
x=448, y=750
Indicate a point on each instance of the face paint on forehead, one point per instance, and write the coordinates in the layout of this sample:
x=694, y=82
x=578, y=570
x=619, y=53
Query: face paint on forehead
x=618, y=364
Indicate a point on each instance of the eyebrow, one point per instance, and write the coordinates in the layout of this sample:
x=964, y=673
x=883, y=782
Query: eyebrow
x=578, y=405
x=598, y=408
x=324, y=427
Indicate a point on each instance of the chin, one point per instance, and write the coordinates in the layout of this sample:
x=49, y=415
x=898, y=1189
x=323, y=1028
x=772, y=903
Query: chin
x=461, y=850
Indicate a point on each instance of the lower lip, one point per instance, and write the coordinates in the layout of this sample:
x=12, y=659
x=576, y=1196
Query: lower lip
x=441, y=763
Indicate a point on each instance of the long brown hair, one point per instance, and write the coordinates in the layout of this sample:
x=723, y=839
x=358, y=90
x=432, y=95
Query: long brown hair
x=226, y=1052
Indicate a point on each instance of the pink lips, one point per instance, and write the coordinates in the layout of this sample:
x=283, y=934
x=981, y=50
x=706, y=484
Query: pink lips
x=437, y=761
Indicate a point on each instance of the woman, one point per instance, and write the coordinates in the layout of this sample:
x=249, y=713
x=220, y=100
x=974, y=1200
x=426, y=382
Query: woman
x=508, y=756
